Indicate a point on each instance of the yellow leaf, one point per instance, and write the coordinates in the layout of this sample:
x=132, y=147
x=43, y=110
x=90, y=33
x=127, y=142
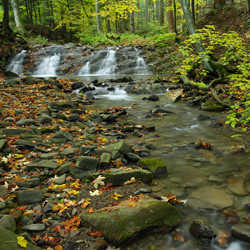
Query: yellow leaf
x=116, y=196
x=22, y=242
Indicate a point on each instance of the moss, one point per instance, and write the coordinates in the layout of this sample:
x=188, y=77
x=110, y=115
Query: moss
x=152, y=163
x=211, y=105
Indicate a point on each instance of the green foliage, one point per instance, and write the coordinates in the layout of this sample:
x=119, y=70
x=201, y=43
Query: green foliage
x=233, y=53
x=95, y=39
x=41, y=39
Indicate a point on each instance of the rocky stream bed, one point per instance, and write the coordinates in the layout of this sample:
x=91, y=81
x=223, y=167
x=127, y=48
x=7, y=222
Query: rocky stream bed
x=79, y=174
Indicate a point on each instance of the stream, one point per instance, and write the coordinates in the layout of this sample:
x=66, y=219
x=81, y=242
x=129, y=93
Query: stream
x=191, y=172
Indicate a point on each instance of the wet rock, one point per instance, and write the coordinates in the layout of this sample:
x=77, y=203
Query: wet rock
x=84, y=165
x=212, y=106
x=237, y=187
x=8, y=222
x=154, y=98
x=203, y=117
x=155, y=165
x=90, y=96
x=10, y=74
x=26, y=122
x=202, y=230
x=173, y=95
x=8, y=241
x=130, y=221
x=35, y=227
x=105, y=159
x=43, y=164
x=132, y=157
x=30, y=80
x=241, y=231
x=30, y=196
x=44, y=118
x=109, y=118
x=118, y=176
x=209, y=197
x=162, y=111
x=2, y=143
x=120, y=146
x=3, y=191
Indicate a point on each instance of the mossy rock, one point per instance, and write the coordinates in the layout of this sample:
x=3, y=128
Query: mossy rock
x=122, y=223
x=212, y=106
x=8, y=240
x=155, y=165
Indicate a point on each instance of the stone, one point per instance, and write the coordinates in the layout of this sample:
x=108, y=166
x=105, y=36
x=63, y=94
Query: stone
x=173, y=95
x=16, y=131
x=2, y=143
x=10, y=74
x=68, y=151
x=118, y=176
x=33, y=182
x=202, y=230
x=154, y=98
x=155, y=165
x=3, y=191
x=132, y=157
x=31, y=80
x=73, y=117
x=120, y=146
x=241, y=231
x=35, y=227
x=25, y=143
x=8, y=222
x=30, y=196
x=43, y=164
x=126, y=222
x=237, y=187
x=109, y=118
x=213, y=106
x=48, y=155
x=44, y=118
x=2, y=205
x=209, y=197
x=60, y=180
x=203, y=117
x=8, y=241
x=4, y=124
x=63, y=135
x=64, y=168
x=26, y=122
x=105, y=159
x=84, y=165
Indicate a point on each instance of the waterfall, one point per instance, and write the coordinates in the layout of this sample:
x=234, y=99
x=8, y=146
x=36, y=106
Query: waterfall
x=85, y=70
x=108, y=64
x=141, y=67
x=16, y=64
x=49, y=63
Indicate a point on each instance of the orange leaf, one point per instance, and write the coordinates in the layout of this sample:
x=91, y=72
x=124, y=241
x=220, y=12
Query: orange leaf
x=58, y=228
x=58, y=247
x=90, y=210
x=178, y=237
x=131, y=205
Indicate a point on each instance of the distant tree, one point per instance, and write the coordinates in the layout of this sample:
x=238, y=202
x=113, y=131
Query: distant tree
x=6, y=30
x=17, y=17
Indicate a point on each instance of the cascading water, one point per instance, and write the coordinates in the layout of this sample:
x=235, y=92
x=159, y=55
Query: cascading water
x=108, y=65
x=141, y=67
x=16, y=64
x=50, y=63
x=85, y=70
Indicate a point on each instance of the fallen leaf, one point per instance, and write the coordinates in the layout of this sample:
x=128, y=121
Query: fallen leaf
x=116, y=196
x=179, y=237
x=95, y=193
x=132, y=180
x=98, y=181
x=131, y=205
x=22, y=242
x=58, y=247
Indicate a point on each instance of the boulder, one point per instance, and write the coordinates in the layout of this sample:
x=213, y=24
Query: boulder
x=30, y=196
x=44, y=118
x=8, y=222
x=155, y=165
x=26, y=122
x=43, y=164
x=202, y=230
x=126, y=222
x=2, y=143
x=212, y=106
x=241, y=231
x=8, y=241
x=118, y=176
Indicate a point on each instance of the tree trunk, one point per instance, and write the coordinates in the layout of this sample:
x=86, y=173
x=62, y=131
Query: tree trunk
x=175, y=17
x=146, y=11
x=171, y=25
x=191, y=29
x=248, y=6
x=98, y=17
x=16, y=12
x=161, y=12
x=218, y=5
x=193, y=9
x=6, y=30
x=138, y=14
x=132, y=22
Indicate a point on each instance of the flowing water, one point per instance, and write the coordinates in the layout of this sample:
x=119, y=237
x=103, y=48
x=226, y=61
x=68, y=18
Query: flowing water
x=16, y=64
x=188, y=168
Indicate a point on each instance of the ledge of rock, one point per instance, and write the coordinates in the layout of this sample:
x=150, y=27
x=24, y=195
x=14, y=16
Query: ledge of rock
x=125, y=222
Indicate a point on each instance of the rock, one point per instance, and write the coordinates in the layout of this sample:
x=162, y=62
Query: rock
x=63, y=135
x=44, y=118
x=8, y=222
x=162, y=111
x=109, y=118
x=154, y=98
x=73, y=117
x=64, y=168
x=173, y=95
x=43, y=164
x=4, y=124
x=60, y=180
x=209, y=197
x=33, y=182
x=132, y=157
x=63, y=105
x=202, y=230
x=241, y=231
x=68, y=151
x=84, y=165
x=155, y=165
x=48, y=155
x=2, y=143
x=3, y=191
x=237, y=187
x=30, y=196
x=8, y=241
x=24, y=143
x=120, y=146
x=30, y=80
x=2, y=205
x=118, y=176
x=212, y=106
x=35, y=227
x=203, y=117
x=26, y=122
x=90, y=96
x=100, y=244
x=126, y=222
x=16, y=131
x=105, y=159
x=10, y=74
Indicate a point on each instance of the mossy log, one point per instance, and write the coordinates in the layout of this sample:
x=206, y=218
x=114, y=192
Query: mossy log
x=199, y=85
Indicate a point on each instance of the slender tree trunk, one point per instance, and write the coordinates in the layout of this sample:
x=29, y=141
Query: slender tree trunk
x=16, y=12
x=6, y=30
x=175, y=17
x=171, y=25
x=248, y=6
x=138, y=14
x=191, y=29
x=193, y=9
x=98, y=17
x=146, y=11
x=108, y=25
x=132, y=22
x=161, y=12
